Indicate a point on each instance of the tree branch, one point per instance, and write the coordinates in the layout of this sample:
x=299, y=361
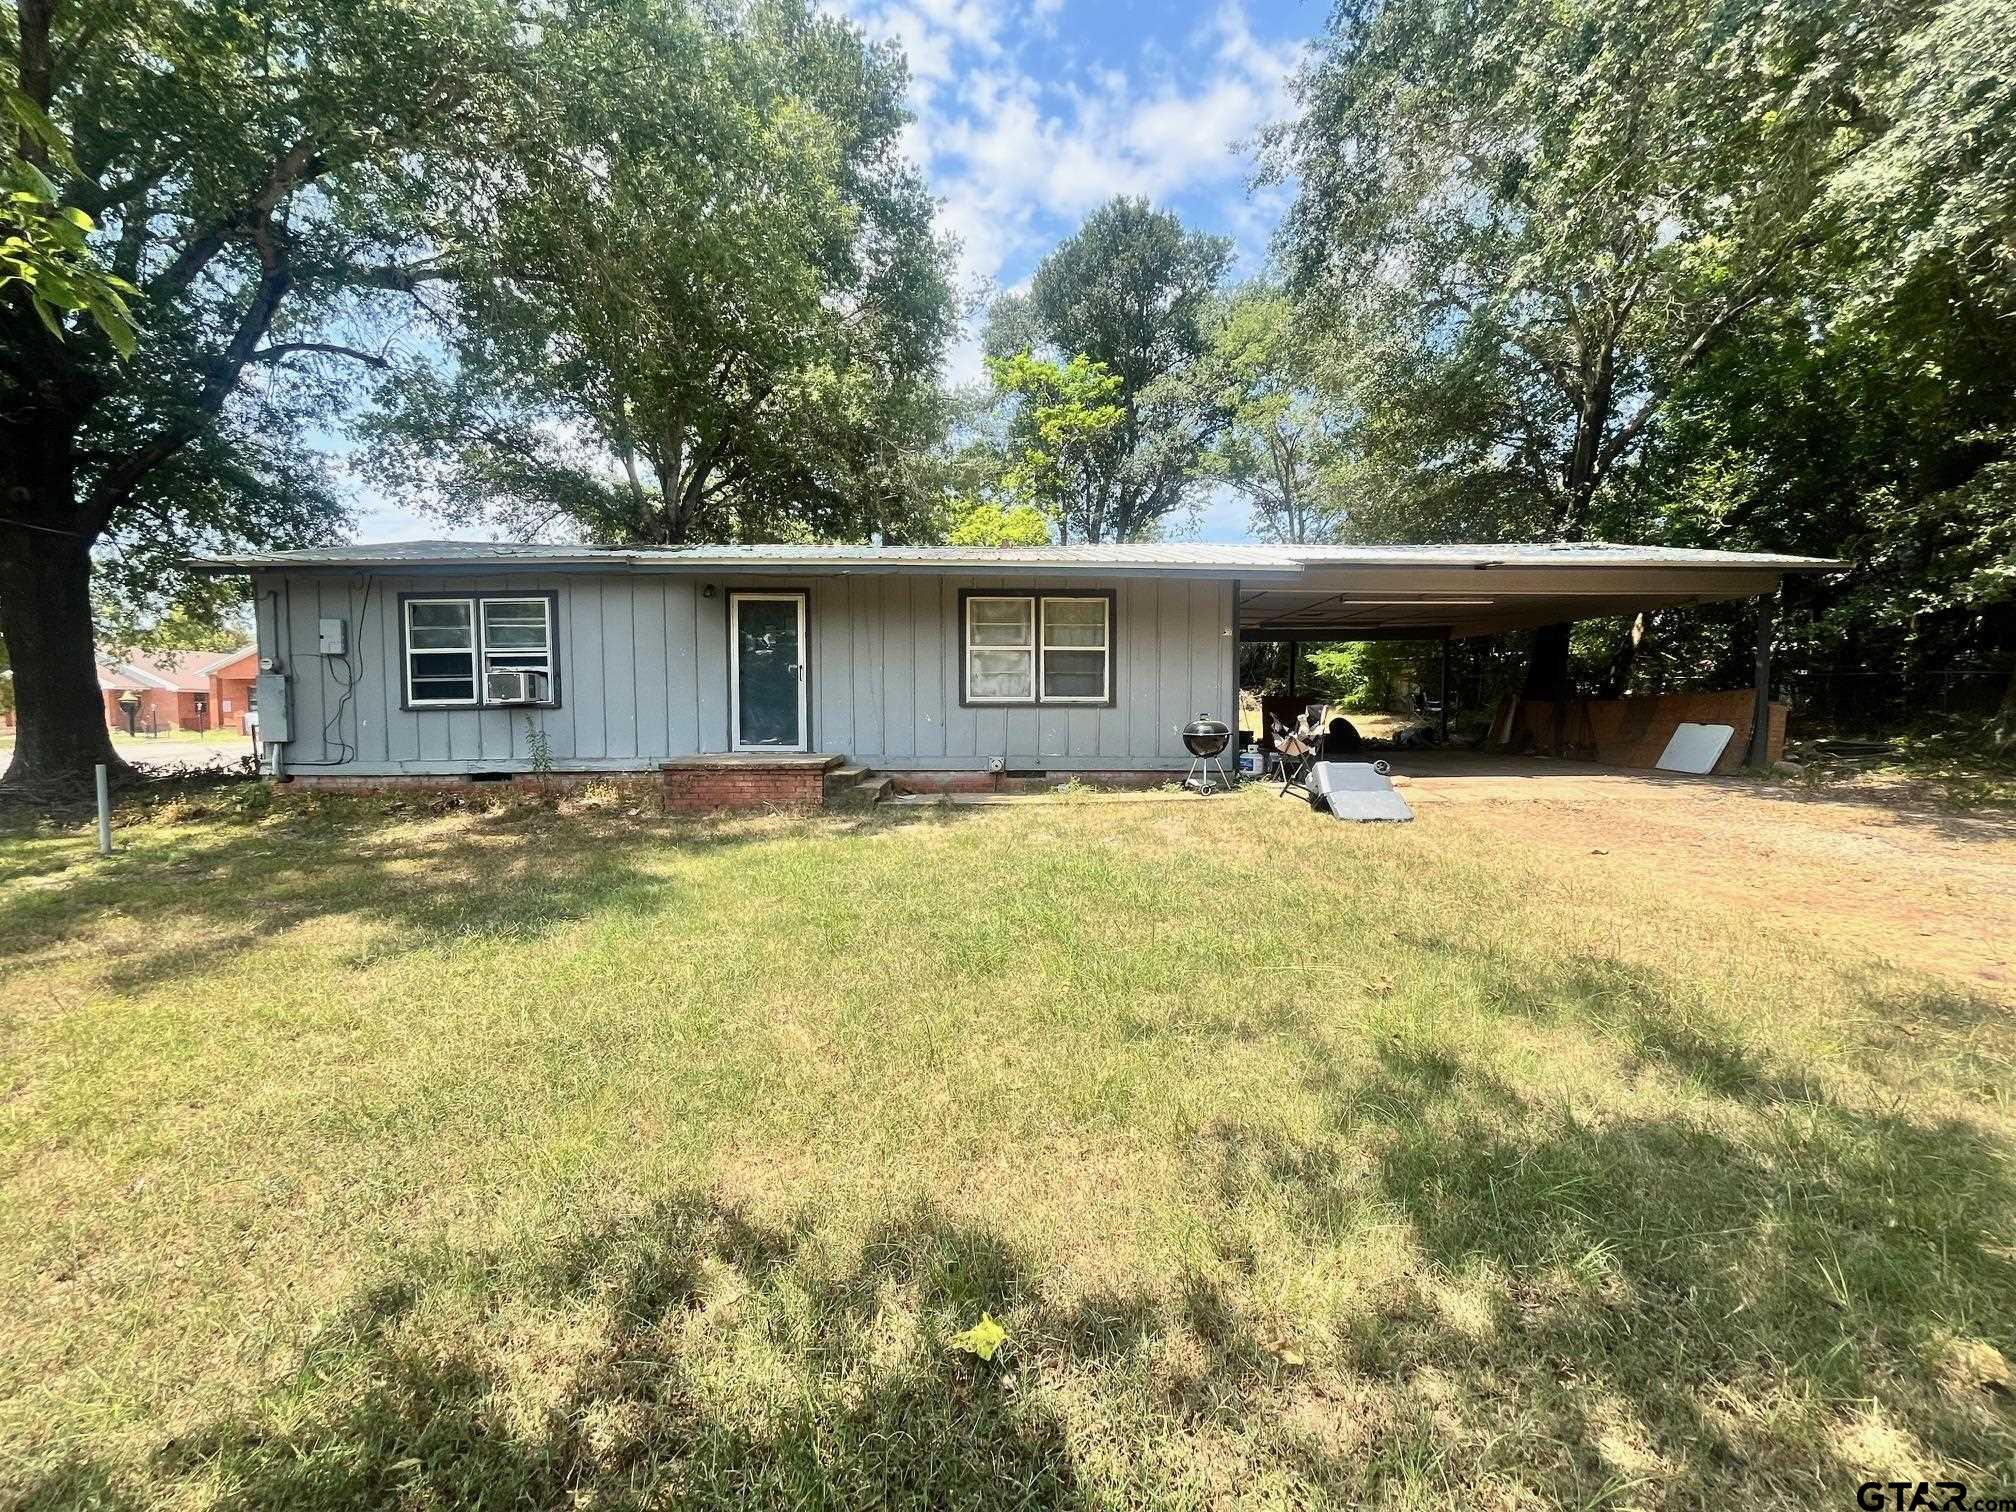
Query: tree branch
x=116, y=487
x=298, y=165
x=37, y=67
x=1749, y=295
x=280, y=350
x=401, y=280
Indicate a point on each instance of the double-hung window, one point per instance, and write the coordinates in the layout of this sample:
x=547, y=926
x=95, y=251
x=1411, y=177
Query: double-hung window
x=468, y=650
x=440, y=651
x=1000, y=650
x=1076, y=664
x=1031, y=648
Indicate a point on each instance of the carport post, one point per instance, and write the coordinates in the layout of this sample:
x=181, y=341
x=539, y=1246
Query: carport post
x=1760, y=712
x=1443, y=738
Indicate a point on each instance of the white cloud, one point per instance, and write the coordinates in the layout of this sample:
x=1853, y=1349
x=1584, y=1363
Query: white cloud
x=1022, y=138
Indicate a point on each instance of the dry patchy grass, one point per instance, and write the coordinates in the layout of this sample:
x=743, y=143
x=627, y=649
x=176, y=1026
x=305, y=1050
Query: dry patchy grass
x=357, y=1156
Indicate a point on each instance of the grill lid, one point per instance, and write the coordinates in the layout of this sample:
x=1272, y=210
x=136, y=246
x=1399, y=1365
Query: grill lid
x=1205, y=736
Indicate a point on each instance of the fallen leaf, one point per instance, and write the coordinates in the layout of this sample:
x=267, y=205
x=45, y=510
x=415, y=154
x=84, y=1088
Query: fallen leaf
x=1285, y=1352
x=983, y=1338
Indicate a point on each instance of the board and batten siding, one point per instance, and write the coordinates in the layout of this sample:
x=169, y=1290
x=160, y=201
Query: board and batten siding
x=643, y=669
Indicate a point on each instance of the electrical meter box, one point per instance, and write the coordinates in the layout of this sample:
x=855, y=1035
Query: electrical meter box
x=329, y=639
x=269, y=692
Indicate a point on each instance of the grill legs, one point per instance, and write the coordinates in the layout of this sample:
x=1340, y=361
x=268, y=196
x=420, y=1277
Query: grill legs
x=1200, y=776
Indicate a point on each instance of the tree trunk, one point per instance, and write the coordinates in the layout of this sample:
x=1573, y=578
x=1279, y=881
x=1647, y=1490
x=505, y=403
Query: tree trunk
x=1547, y=679
x=45, y=614
x=1617, y=676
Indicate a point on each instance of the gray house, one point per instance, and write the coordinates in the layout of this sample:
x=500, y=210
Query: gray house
x=440, y=659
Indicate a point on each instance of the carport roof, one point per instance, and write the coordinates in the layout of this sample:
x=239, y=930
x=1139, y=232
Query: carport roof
x=1448, y=592
x=1286, y=592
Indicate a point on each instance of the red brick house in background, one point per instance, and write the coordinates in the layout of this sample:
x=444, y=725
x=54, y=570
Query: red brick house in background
x=231, y=689
x=180, y=690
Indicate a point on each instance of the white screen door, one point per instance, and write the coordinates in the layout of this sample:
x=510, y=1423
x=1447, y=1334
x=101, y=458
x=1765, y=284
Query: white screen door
x=766, y=672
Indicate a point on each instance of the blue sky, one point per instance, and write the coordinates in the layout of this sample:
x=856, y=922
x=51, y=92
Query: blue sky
x=1030, y=113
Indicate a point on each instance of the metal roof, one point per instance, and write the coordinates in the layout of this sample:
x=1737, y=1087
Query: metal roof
x=1181, y=558
x=1555, y=554
x=1160, y=557
x=1310, y=593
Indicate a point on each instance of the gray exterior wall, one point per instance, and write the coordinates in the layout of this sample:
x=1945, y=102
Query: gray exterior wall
x=643, y=668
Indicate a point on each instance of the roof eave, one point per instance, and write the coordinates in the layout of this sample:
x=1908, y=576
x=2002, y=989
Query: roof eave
x=619, y=566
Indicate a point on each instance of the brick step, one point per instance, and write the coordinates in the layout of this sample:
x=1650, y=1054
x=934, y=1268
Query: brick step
x=707, y=783
x=872, y=791
x=843, y=777
x=857, y=786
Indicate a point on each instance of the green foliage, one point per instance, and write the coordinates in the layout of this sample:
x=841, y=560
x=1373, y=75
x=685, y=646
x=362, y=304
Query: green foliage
x=1338, y=673
x=258, y=177
x=219, y=623
x=1680, y=274
x=1127, y=295
x=44, y=255
x=538, y=747
x=1522, y=260
x=1931, y=197
x=987, y=524
x=1282, y=444
x=1065, y=418
x=700, y=296
x=1370, y=675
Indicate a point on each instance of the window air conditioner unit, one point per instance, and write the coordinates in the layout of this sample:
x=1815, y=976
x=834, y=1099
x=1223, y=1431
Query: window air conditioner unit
x=503, y=685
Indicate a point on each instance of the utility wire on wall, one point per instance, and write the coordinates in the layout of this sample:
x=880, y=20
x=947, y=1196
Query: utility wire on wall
x=346, y=671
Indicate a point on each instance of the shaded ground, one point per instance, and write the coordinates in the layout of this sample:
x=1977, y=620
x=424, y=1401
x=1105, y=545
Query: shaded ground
x=183, y=753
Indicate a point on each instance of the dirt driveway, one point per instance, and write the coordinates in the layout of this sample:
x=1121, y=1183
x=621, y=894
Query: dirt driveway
x=1929, y=887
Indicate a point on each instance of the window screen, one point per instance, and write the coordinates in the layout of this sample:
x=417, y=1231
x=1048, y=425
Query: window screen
x=440, y=651
x=1039, y=648
x=1000, y=650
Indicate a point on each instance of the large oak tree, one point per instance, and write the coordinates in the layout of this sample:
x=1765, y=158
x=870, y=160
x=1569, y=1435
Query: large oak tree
x=1538, y=233
x=253, y=170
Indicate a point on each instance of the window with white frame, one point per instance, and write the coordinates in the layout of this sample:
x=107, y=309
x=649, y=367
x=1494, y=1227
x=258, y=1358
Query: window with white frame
x=466, y=650
x=1027, y=648
x=440, y=651
x=1076, y=640
x=1000, y=650
x=518, y=637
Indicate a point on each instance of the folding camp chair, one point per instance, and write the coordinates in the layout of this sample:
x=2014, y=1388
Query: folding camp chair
x=1297, y=748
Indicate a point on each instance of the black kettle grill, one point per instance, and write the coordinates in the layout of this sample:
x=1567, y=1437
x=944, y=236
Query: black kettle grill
x=1205, y=739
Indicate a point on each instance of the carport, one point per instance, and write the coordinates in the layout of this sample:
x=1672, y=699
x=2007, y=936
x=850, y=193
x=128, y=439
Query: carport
x=1451, y=593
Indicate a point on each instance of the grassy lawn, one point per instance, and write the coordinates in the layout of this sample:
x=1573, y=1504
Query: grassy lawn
x=514, y=1158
